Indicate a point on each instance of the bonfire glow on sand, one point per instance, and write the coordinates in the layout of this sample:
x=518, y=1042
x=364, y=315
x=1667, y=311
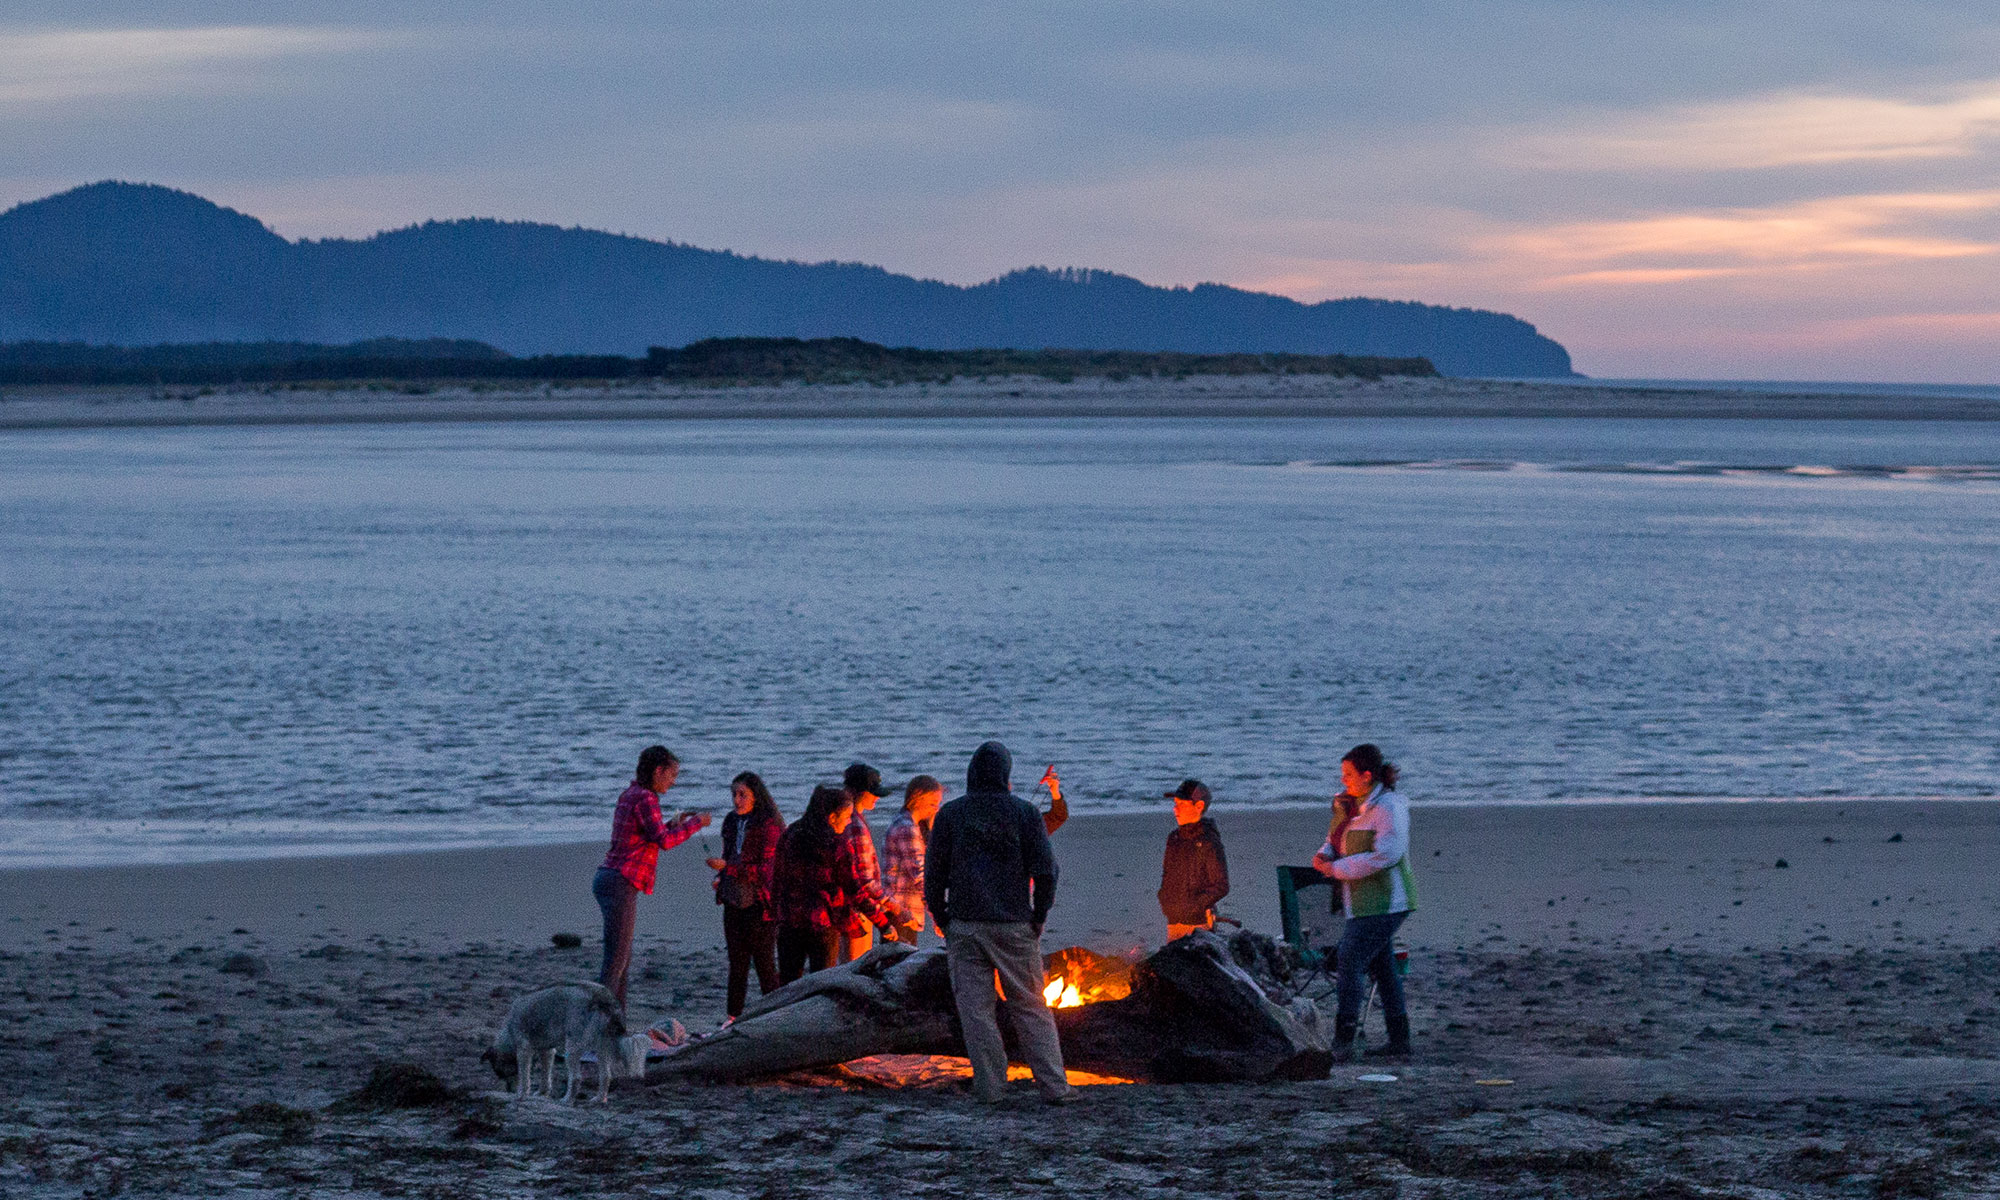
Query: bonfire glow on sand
x=937, y=1070
x=1075, y=977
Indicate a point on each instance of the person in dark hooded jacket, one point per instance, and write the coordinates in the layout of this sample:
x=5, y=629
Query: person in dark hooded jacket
x=1195, y=874
x=989, y=880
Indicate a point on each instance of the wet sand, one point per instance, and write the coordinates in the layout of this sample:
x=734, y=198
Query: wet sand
x=1206, y=396
x=1678, y=1015
x=1698, y=876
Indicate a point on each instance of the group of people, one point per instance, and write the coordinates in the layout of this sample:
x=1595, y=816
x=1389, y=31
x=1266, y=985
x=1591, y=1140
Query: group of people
x=981, y=873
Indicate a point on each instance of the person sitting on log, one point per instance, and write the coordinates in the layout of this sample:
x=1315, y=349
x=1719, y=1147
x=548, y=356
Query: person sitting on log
x=903, y=858
x=1195, y=873
x=1373, y=867
x=989, y=883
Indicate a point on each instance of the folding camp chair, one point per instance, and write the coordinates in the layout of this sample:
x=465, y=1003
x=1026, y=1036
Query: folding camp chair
x=1313, y=930
x=1310, y=928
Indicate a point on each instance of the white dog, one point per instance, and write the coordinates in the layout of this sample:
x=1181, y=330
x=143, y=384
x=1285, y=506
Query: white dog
x=575, y=1018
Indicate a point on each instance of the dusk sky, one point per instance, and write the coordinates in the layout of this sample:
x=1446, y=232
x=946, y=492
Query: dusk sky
x=1679, y=189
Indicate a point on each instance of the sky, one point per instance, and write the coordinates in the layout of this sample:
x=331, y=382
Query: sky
x=1672, y=189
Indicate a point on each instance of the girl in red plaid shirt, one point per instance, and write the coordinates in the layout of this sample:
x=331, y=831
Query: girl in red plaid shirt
x=638, y=834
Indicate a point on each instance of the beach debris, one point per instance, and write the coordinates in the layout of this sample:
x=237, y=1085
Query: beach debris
x=395, y=1085
x=291, y=1126
x=1195, y=1011
x=1895, y=837
x=666, y=1035
x=330, y=952
x=245, y=964
x=1782, y=865
x=1494, y=1082
x=566, y=941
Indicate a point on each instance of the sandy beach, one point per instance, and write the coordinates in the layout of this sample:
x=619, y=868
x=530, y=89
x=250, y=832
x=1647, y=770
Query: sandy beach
x=1678, y=1015
x=1209, y=396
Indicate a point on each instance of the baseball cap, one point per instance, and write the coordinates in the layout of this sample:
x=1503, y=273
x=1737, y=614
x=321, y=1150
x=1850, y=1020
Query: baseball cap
x=863, y=778
x=1190, y=789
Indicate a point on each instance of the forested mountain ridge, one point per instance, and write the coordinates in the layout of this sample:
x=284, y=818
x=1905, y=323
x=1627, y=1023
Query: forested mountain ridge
x=138, y=264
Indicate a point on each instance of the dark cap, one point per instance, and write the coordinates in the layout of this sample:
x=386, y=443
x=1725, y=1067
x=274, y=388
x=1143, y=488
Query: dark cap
x=863, y=778
x=1190, y=789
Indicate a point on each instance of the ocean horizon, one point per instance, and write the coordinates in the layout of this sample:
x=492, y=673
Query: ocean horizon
x=1783, y=387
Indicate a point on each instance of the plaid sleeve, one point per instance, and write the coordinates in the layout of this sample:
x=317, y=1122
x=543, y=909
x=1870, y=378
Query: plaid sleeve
x=903, y=871
x=673, y=833
x=863, y=892
x=646, y=815
x=867, y=869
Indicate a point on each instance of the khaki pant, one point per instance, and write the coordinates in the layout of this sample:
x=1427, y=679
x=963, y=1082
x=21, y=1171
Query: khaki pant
x=854, y=947
x=977, y=950
x=1177, y=932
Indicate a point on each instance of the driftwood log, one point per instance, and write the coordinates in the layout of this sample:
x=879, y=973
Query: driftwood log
x=1199, y=1010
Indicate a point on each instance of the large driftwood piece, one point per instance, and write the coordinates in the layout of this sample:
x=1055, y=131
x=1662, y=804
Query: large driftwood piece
x=892, y=1000
x=1194, y=1014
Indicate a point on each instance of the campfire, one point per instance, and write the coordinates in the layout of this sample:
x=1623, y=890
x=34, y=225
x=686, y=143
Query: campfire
x=1059, y=995
x=1077, y=977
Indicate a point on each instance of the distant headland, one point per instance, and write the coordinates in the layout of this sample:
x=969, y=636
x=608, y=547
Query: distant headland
x=127, y=264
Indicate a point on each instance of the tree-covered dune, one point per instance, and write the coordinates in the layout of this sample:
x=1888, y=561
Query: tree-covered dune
x=137, y=264
x=711, y=362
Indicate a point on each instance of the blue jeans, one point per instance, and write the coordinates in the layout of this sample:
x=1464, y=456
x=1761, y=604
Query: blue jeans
x=1366, y=950
x=619, y=901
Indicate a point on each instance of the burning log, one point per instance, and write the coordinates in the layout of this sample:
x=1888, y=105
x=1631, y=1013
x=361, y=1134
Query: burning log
x=1192, y=1012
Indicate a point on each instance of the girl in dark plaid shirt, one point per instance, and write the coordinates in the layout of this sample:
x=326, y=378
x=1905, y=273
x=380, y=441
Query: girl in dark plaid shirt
x=743, y=887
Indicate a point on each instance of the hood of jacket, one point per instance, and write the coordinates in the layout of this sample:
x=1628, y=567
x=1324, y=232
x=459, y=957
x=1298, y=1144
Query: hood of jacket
x=991, y=768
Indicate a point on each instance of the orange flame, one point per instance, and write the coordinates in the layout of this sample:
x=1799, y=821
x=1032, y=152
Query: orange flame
x=1060, y=995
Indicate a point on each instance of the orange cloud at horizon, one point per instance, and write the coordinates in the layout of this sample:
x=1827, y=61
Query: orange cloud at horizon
x=1775, y=130
x=1808, y=235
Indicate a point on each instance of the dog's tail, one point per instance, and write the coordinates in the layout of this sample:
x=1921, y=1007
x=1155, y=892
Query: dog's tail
x=614, y=1021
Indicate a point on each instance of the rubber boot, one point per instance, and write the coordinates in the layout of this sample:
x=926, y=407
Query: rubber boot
x=1343, y=1040
x=1399, y=1039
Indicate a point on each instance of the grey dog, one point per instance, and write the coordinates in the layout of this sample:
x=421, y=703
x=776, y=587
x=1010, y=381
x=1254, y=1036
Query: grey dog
x=575, y=1018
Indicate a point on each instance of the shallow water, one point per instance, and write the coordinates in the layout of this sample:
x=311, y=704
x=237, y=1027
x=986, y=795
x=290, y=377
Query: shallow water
x=258, y=640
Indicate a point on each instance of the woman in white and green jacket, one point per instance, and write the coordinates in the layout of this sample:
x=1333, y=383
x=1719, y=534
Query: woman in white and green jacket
x=1372, y=865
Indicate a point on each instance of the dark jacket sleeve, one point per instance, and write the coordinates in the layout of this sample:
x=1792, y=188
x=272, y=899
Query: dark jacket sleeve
x=1211, y=874
x=784, y=872
x=937, y=866
x=1040, y=859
